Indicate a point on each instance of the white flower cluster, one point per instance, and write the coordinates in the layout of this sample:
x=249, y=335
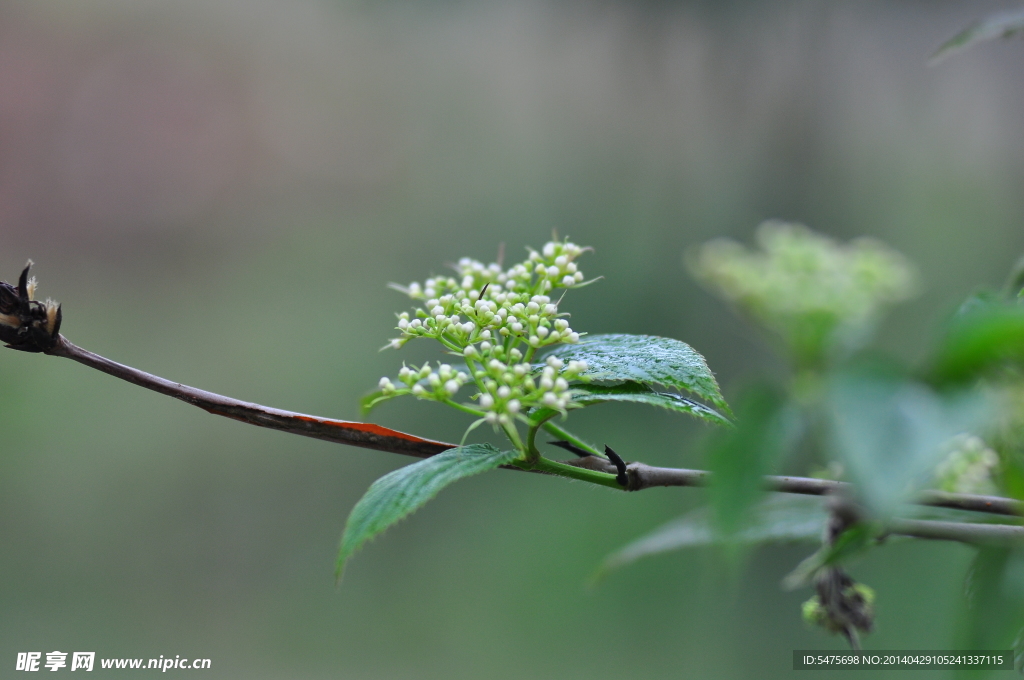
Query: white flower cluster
x=441, y=384
x=496, y=320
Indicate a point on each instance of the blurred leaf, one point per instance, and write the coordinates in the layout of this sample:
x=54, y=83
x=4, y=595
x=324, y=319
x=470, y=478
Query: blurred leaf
x=1001, y=25
x=995, y=594
x=641, y=394
x=783, y=517
x=854, y=541
x=889, y=431
x=738, y=458
x=403, y=491
x=645, y=359
x=979, y=338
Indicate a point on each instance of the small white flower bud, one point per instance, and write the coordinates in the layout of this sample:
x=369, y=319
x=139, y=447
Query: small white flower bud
x=469, y=352
x=577, y=277
x=418, y=390
x=434, y=379
x=491, y=417
x=533, y=307
x=551, y=309
x=495, y=365
x=561, y=385
x=561, y=324
x=560, y=261
x=416, y=323
x=534, y=341
x=571, y=267
x=550, y=400
x=529, y=384
x=513, y=406
x=404, y=373
x=385, y=383
x=516, y=355
x=462, y=377
x=572, y=337
x=485, y=347
x=468, y=327
x=568, y=280
x=541, y=269
x=396, y=343
x=403, y=324
x=543, y=332
x=491, y=385
x=467, y=282
x=554, y=363
x=517, y=327
x=553, y=271
x=520, y=370
x=554, y=337
x=486, y=401
x=549, y=249
x=425, y=371
x=451, y=387
x=485, y=334
x=546, y=383
x=504, y=392
x=504, y=419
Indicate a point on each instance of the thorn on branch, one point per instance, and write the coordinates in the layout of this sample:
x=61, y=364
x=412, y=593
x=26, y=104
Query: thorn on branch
x=25, y=323
x=620, y=465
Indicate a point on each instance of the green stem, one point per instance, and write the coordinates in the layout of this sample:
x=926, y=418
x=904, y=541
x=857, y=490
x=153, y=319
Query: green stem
x=572, y=472
x=571, y=438
x=464, y=408
x=532, y=454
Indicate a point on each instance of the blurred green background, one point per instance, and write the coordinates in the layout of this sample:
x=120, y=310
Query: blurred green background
x=218, y=193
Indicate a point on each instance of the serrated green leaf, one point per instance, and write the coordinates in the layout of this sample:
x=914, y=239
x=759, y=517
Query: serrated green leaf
x=641, y=394
x=783, y=517
x=399, y=493
x=647, y=360
x=1001, y=25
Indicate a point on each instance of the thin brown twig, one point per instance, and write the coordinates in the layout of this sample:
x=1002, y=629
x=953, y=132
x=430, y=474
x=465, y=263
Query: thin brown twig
x=640, y=476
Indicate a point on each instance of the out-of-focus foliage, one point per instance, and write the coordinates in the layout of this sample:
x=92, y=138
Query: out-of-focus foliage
x=780, y=518
x=889, y=431
x=969, y=466
x=818, y=295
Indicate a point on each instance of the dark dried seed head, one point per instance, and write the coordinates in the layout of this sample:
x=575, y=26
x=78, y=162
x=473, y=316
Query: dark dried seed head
x=25, y=323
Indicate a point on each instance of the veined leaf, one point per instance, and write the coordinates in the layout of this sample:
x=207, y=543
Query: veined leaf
x=783, y=517
x=403, y=491
x=648, y=360
x=1001, y=25
x=641, y=394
